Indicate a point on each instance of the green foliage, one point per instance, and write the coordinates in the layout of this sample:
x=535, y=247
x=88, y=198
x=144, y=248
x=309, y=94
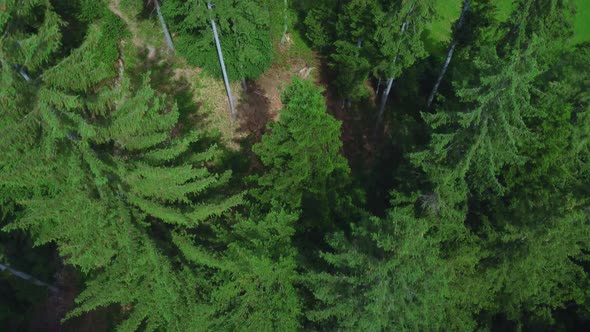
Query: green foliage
x=528, y=257
x=388, y=274
x=301, y=154
x=369, y=36
x=399, y=35
x=256, y=289
x=244, y=33
x=487, y=227
x=99, y=162
x=319, y=24
x=557, y=167
x=31, y=33
x=469, y=148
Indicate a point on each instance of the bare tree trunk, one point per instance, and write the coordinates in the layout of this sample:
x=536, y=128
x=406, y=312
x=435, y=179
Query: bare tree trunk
x=378, y=86
x=286, y=24
x=449, y=55
x=384, y=98
x=22, y=73
x=28, y=278
x=164, y=27
x=441, y=74
x=224, y=72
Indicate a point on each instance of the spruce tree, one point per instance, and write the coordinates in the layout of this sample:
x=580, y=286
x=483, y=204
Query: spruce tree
x=244, y=31
x=388, y=274
x=301, y=156
x=257, y=276
x=470, y=147
x=103, y=178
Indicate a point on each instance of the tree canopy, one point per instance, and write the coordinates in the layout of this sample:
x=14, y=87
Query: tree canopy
x=130, y=199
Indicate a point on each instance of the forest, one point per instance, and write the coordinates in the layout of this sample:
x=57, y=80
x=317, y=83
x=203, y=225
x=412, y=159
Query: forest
x=294, y=165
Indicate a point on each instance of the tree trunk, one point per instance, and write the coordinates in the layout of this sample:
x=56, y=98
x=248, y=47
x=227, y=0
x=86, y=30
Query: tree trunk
x=449, y=55
x=441, y=74
x=28, y=278
x=384, y=98
x=164, y=27
x=223, y=71
x=378, y=86
x=22, y=73
x=286, y=24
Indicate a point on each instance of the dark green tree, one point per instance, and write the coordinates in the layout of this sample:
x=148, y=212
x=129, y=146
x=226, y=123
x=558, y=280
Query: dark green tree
x=388, y=274
x=257, y=276
x=102, y=176
x=303, y=166
x=470, y=147
x=244, y=33
x=399, y=39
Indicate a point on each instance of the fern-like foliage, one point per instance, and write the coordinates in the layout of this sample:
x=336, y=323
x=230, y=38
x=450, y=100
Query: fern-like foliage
x=99, y=173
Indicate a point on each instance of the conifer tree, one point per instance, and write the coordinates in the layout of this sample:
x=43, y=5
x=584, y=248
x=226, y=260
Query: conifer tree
x=257, y=276
x=470, y=147
x=301, y=155
x=355, y=50
x=388, y=274
x=399, y=36
x=104, y=179
x=244, y=32
x=320, y=24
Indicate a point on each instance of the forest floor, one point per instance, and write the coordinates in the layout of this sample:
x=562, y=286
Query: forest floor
x=257, y=101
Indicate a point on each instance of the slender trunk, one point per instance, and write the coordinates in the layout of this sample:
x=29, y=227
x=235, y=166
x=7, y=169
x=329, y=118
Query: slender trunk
x=378, y=86
x=384, y=98
x=28, y=278
x=286, y=24
x=223, y=71
x=164, y=27
x=449, y=55
x=385, y=95
x=359, y=43
x=22, y=73
x=441, y=74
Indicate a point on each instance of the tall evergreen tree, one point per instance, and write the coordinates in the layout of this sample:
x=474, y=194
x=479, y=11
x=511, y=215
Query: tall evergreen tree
x=258, y=275
x=399, y=36
x=301, y=155
x=244, y=32
x=101, y=163
x=388, y=274
x=470, y=147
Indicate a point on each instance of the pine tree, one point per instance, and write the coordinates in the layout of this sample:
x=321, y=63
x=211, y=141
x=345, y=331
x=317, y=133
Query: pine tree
x=469, y=148
x=104, y=179
x=388, y=274
x=258, y=275
x=301, y=155
x=244, y=32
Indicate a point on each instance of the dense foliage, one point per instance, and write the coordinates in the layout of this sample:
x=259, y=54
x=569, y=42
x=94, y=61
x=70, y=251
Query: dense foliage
x=117, y=191
x=244, y=28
